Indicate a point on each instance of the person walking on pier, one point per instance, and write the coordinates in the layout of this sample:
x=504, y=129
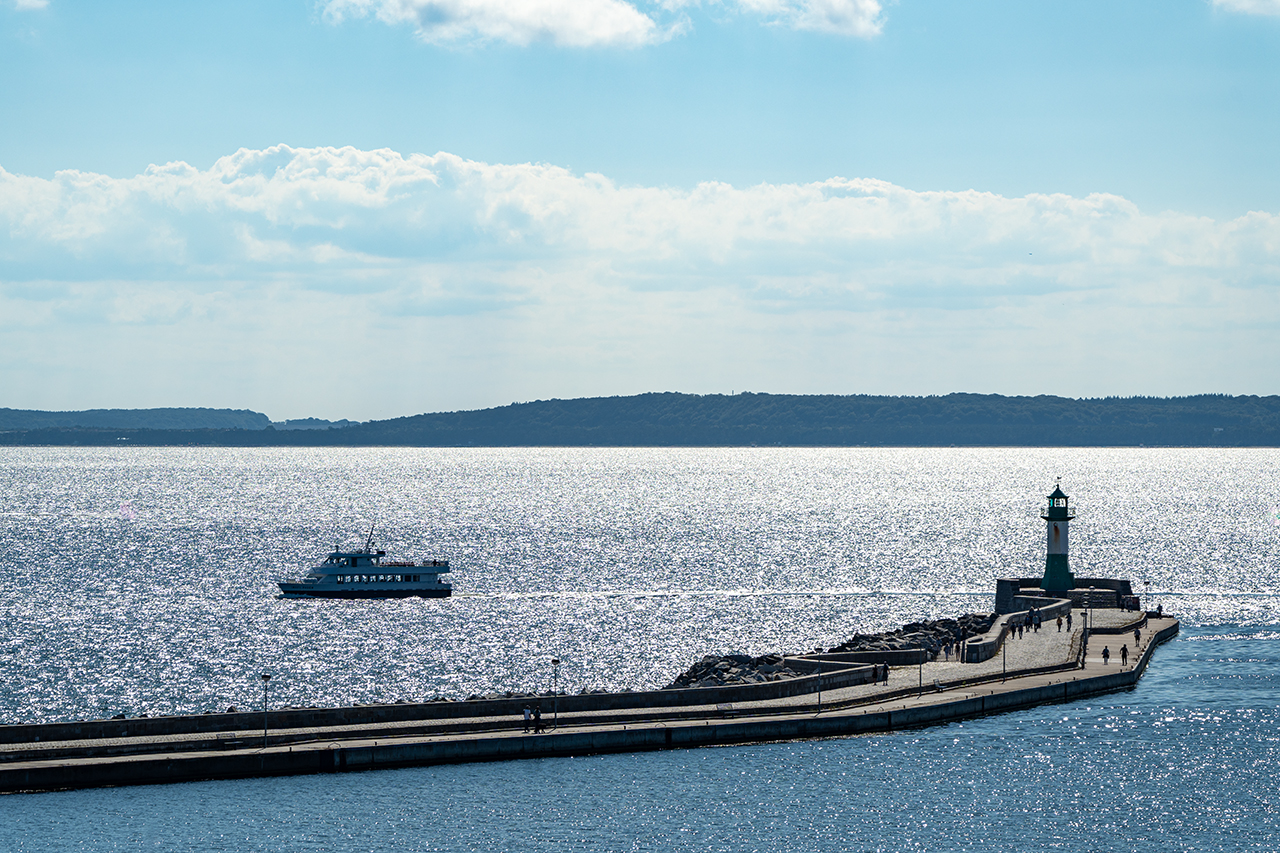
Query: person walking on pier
x=1068, y=620
x=528, y=716
x=1059, y=624
x=1106, y=655
x=1137, y=637
x=1124, y=655
x=538, y=728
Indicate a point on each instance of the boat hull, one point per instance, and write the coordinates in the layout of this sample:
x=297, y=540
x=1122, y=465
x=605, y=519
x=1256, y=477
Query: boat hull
x=298, y=590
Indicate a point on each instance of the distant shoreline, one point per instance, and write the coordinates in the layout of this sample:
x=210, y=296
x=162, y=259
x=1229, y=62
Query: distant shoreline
x=714, y=420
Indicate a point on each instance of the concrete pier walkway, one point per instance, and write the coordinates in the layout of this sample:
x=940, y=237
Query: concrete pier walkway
x=1040, y=667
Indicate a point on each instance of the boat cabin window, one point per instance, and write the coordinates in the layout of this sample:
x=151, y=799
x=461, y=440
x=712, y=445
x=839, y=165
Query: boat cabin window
x=345, y=579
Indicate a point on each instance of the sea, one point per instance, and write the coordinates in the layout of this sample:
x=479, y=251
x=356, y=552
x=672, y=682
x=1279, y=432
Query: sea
x=143, y=581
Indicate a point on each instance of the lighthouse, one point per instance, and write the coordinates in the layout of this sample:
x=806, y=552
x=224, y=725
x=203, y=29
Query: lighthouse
x=1057, y=573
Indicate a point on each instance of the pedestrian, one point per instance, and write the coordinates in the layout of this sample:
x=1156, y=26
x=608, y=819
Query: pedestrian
x=528, y=716
x=1124, y=655
x=1106, y=655
x=886, y=672
x=1035, y=622
x=946, y=653
x=1137, y=636
x=537, y=720
x=1068, y=620
x=1159, y=611
x=1019, y=630
x=1059, y=624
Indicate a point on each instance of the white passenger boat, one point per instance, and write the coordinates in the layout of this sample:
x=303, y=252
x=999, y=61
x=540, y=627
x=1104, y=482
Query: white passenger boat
x=364, y=574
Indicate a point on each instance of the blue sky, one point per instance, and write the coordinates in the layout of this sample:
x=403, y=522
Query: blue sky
x=369, y=208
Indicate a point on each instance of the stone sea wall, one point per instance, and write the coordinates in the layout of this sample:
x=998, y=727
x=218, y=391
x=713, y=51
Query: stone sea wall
x=886, y=647
x=932, y=635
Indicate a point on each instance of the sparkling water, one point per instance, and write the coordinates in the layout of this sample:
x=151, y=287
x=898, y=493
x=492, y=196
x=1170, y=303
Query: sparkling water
x=142, y=581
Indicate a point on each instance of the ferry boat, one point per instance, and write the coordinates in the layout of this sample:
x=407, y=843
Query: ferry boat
x=363, y=574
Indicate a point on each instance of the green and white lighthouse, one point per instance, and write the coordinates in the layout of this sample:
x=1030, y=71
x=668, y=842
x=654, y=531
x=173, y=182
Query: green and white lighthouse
x=1057, y=573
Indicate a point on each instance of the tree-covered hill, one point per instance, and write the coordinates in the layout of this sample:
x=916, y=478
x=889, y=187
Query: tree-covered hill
x=29, y=419
x=670, y=419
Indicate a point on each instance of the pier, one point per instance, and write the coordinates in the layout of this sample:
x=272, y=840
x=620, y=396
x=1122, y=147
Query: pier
x=1042, y=667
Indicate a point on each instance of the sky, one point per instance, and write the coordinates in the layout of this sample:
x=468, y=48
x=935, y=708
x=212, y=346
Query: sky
x=373, y=208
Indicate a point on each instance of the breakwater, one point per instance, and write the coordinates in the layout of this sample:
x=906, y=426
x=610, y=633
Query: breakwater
x=714, y=680
x=824, y=676
x=695, y=725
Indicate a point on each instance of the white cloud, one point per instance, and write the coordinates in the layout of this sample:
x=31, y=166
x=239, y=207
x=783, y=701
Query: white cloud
x=860, y=18
x=575, y=23
x=521, y=280
x=586, y=23
x=24, y=5
x=1250, y=7
x=321, y=208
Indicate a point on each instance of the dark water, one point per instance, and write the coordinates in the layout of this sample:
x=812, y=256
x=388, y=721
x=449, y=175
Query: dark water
x=140, y=581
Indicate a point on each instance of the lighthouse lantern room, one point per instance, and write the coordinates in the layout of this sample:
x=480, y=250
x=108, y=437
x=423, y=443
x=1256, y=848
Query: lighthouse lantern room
x=1057, y=572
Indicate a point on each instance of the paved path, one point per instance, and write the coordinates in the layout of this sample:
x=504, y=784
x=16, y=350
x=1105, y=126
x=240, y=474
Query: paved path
x=1034, y=647
x=908, y=687
x=1034, y=651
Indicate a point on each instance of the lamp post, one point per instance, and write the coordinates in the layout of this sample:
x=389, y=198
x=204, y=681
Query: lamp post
x=266, y=679
x=555, y=692
x=1004, y=659
x=819, y=683
x=1089, y=621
